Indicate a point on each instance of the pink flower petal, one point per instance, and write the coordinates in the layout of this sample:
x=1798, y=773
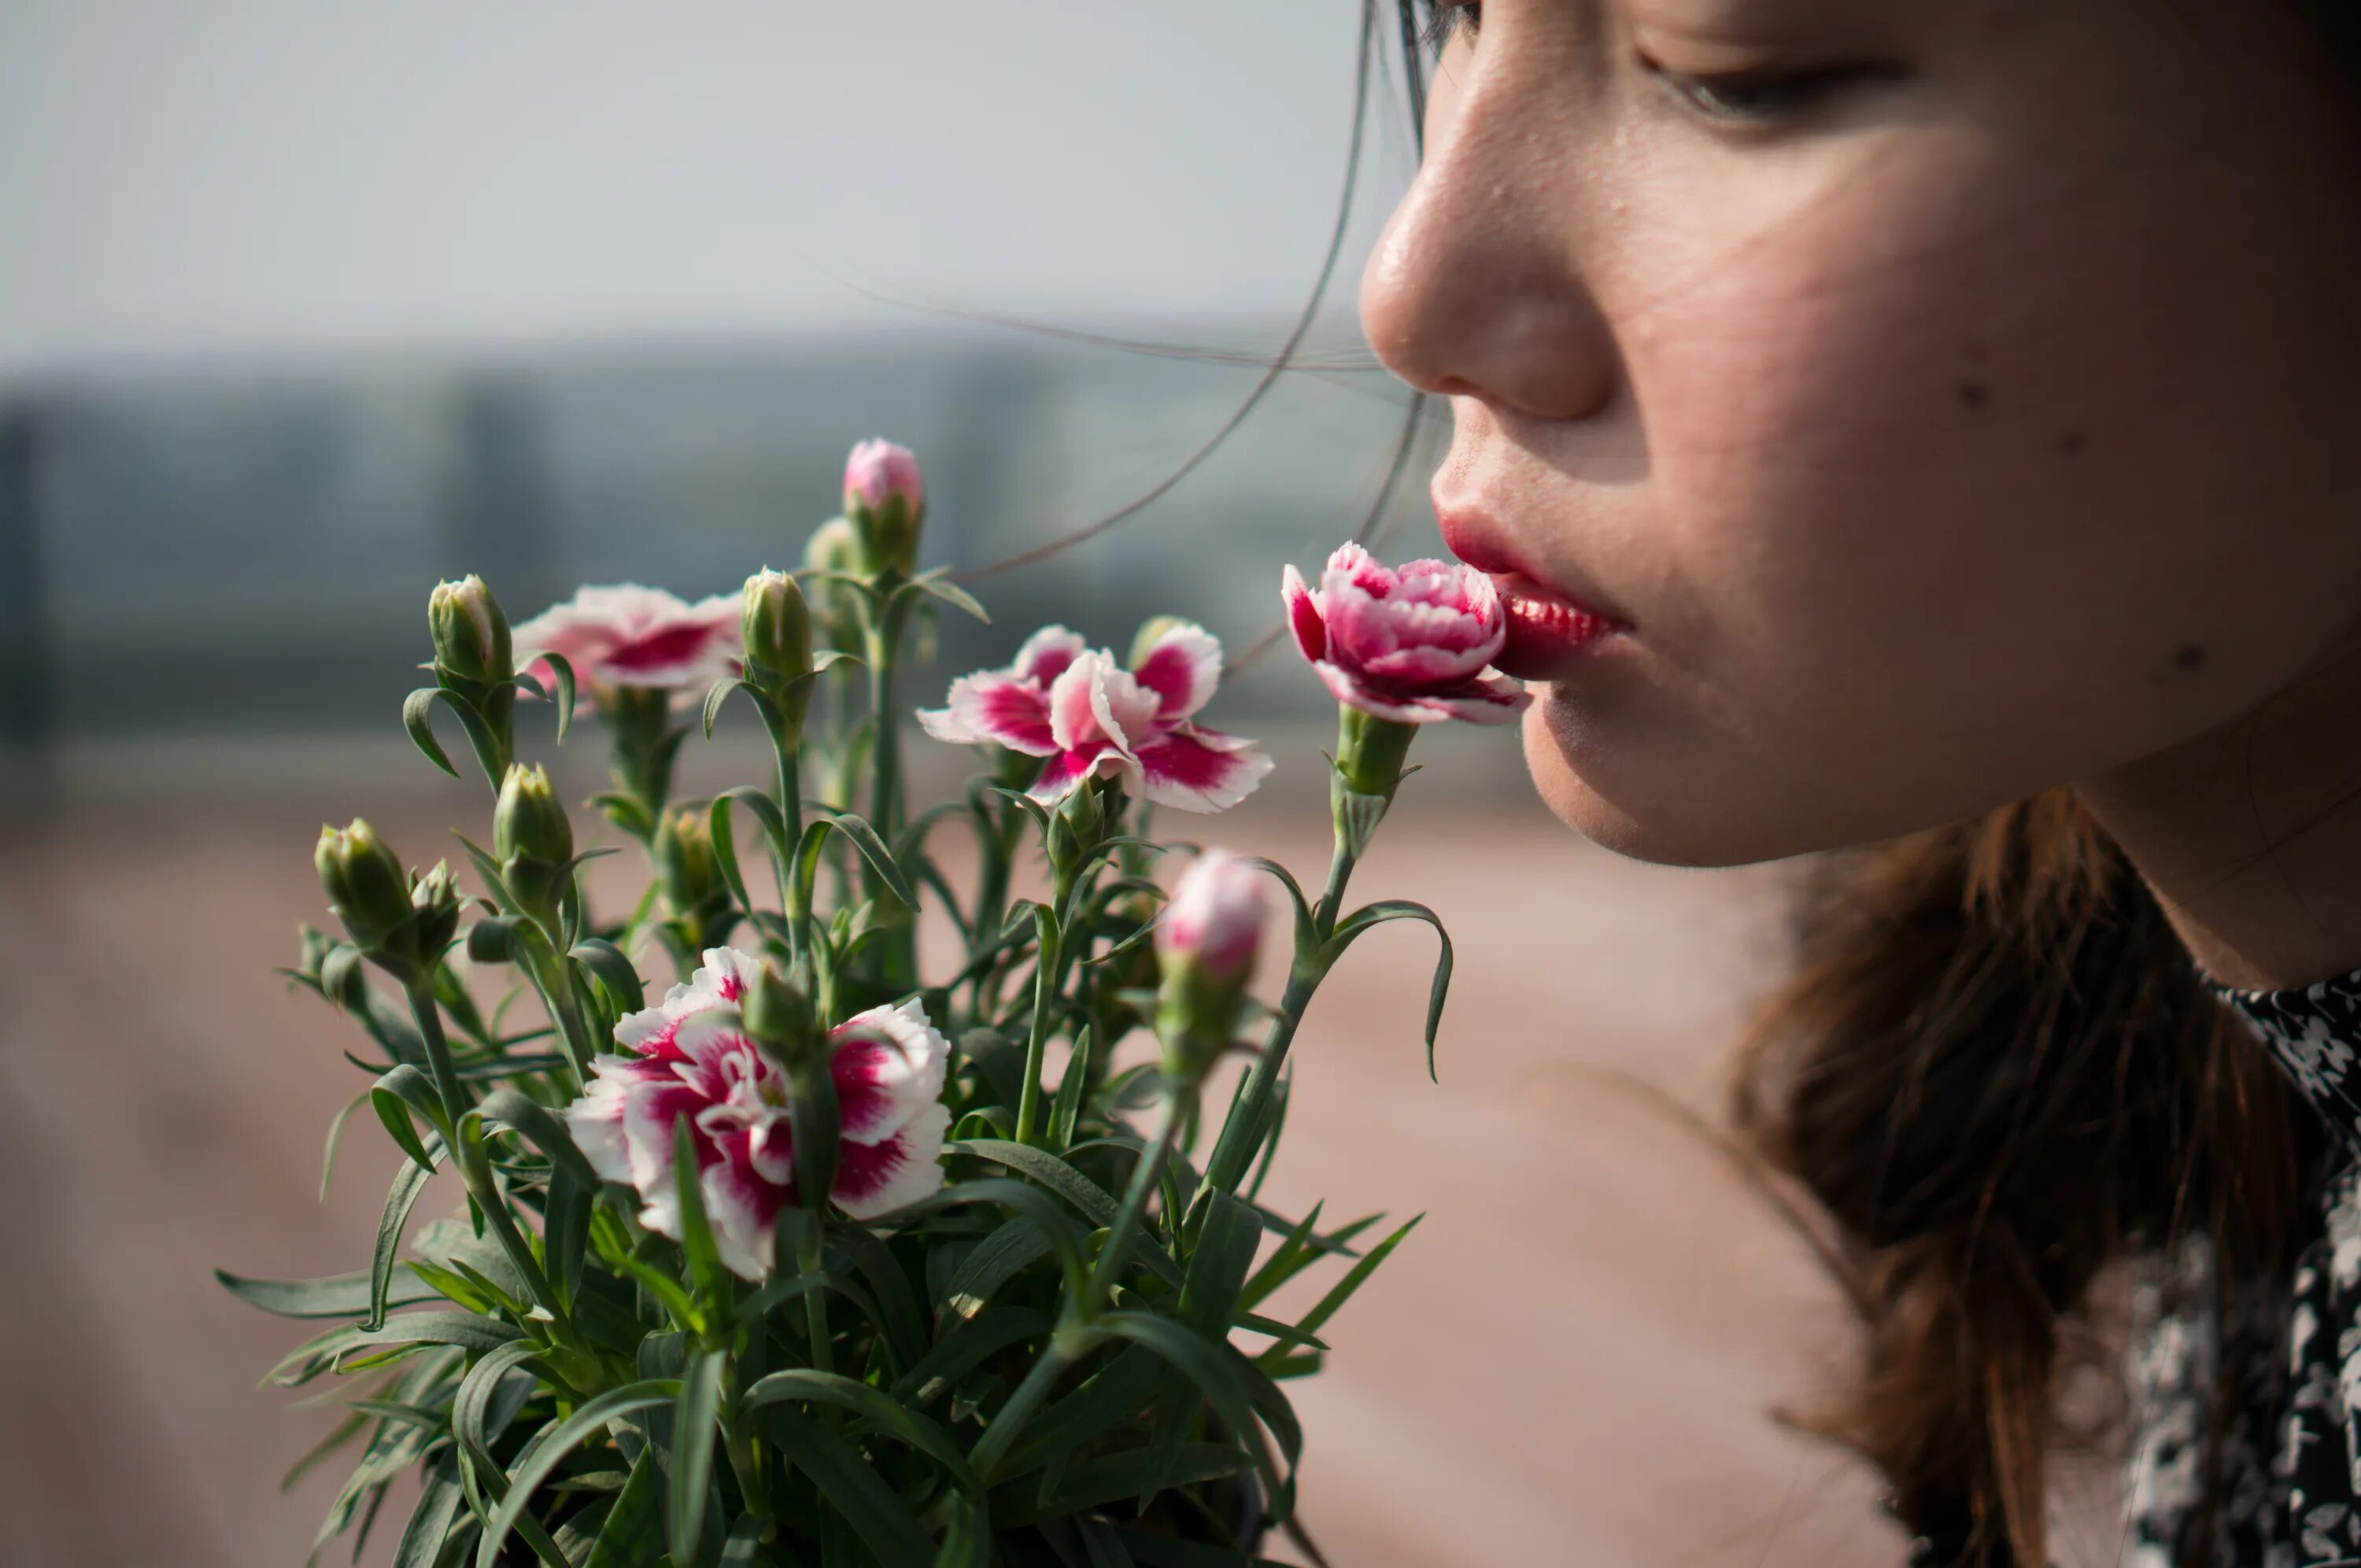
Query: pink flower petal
x=1360, y=569
x=1073, y=714
x=1201, y=770
x=877, y=1178
x=996, y=708
x=1047, y=654
x=888, y=1068
x=1303, y=615
x=741, y=1209
x=1491, y=697
x=1067, y=769
x=1182, y=667
x=1126, y=710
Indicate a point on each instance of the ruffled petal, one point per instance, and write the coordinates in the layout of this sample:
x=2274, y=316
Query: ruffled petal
x=995, y=708
x=596, y=1121
x=1491, y=697
x=1073, y=714
x=741, y=1209
x=1360, y=569
x=877, y=1178
x=1067, y=769
x=1126, y=710
x=1201, y=770
x=1303, y=615
x=888, y=1068
x=1181, y=667
x=1045, y=654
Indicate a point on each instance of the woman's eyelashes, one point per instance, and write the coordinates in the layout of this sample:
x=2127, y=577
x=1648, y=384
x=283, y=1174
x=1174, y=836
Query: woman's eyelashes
x=1763, y=97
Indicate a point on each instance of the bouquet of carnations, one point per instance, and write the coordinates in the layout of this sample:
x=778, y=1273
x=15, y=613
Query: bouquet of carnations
x=828, y=1255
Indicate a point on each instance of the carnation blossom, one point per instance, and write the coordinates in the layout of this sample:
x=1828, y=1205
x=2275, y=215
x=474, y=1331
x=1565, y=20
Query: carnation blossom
x=1411, y=644
x=1091, y=717
x=691, y=1056
x=627, y=635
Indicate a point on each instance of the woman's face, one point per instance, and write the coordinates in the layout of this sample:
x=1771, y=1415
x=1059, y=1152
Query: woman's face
x=1941, y=400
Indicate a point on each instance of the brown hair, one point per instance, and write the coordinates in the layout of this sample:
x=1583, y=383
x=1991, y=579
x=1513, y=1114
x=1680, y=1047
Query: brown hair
x=1998, y=1072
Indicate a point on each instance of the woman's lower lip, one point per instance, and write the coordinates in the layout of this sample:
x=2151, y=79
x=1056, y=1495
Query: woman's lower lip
x=1548, y=632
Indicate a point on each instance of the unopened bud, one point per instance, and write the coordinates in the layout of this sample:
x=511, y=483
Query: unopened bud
x=436, y=900
x=779, y=1016
x=363, y=882
x=885, y=498
x=833, y=547
x=471, y=634
x=529, y=823
x=776, y=630
x=1207, y=942
x=1075, y=826
x=684, y=863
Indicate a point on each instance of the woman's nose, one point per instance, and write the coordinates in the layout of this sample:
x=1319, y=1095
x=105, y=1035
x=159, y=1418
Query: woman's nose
x=1475, y=290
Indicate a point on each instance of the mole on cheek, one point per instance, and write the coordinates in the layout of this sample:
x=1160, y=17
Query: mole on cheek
x=2188, y=658
x=2073, y=443
x=1974, y=396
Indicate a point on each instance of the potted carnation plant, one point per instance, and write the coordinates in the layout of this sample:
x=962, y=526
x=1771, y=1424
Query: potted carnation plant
x=823, y=1255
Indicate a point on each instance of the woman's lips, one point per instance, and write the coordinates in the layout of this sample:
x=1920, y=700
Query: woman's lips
x=1549, y=633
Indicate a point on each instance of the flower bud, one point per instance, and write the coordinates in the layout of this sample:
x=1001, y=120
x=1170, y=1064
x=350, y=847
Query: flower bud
x=471, y=634
x=684, y=863
x=436, y=899
x=363, y=882
x=885, y=498
x=529, y=823
x=1206, y=943
x=1075, y=826
x=833, y=547
x=779, y=1017
x=776, y=630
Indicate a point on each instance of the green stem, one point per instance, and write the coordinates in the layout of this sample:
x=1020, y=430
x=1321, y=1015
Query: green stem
x=454, y=1094
x=1145, y=1176
x=475, y=1170
x=1049, y=973
x=809, y=1245
x=790, y=798
x=1234, y=1152
x=1009, y=1424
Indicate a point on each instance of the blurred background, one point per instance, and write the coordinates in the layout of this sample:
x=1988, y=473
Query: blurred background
x=303, y=307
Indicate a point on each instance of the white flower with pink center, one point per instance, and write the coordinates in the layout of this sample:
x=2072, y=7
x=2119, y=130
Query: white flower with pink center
x=1089, y=716
x=691, y=1056
x=1411, y=644
x=627, y=635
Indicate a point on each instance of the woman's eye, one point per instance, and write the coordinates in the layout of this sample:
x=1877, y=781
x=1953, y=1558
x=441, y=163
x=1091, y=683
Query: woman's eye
x=1449, y=19
x=1759, y=97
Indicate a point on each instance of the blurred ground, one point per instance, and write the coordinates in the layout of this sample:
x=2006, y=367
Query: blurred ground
x=1573, y=1361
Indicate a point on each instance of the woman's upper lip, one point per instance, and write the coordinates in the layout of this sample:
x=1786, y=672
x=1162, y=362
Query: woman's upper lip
x=1477, y=539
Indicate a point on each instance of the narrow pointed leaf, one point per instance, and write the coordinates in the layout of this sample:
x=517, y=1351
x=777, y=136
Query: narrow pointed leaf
x=1377, y=914
x=695, y=1423
x=848, y=1485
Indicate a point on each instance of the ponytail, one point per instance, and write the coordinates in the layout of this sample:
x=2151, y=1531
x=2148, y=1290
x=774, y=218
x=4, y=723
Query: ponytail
x=1999, y=1073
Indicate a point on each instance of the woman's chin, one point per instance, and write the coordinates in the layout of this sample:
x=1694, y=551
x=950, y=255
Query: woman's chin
x=1668, y=822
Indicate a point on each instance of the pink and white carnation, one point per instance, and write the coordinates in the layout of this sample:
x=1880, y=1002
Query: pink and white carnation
x=691, y=1056
x=1091, y=717
x=1216, y=916
x=1413, y=644
x=627, y=635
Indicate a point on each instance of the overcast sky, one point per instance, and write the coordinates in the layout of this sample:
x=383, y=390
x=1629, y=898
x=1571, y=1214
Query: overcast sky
x=268, y=176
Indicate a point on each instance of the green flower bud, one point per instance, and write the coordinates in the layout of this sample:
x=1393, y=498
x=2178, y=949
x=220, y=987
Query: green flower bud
x=1077, y=825
x=780, y=1019
x=363, y=882
x=684, y=863
x=885, y=498
x=471, y=634
x=529, y=823
x=833, y=547
x=776, y=630
x=436, y=901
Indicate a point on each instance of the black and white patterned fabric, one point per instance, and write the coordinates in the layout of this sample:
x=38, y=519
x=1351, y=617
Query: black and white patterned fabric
x=2291, y=1455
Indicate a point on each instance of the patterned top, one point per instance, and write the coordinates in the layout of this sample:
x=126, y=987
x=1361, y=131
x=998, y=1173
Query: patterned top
x=2291, y=1457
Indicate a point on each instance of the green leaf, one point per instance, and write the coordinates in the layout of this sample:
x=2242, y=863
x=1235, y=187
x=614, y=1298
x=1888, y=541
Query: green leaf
x=1096, y=1205
x=633, y=1535
x=939, y=586
x=402, y=1086
x=466, y=1329
x=1353, y=1280
x=542, y=1456
x=1234, y=1384
x=1226, y=1244
x=864, y=839
x=473, y=1426
x=338, y=1296
x=712, y=1280
x=1377, y=914
x=1117, y=1392
x=562, y=671
x=1015, y=1196
x=1094, y=1482
x=408, y=1183
x=439, y=1502
x=614, y=972
x=418, y=717
x=993, y=1262
x=967, y=1540
x=720, y=694
x=848, y=1485
x=897, y=1304
x=696, y=1422
x=335, y=1136
x=880, y=1408
x=1307, y=933
x=1066, y=1111
x=566, y=1230
x=968, y=1343
x=1289, y=1258
x=542, y=1127
x=627, y=812
x=1032, y=807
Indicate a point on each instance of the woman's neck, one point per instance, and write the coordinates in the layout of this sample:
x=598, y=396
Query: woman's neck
x=2250, y=834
